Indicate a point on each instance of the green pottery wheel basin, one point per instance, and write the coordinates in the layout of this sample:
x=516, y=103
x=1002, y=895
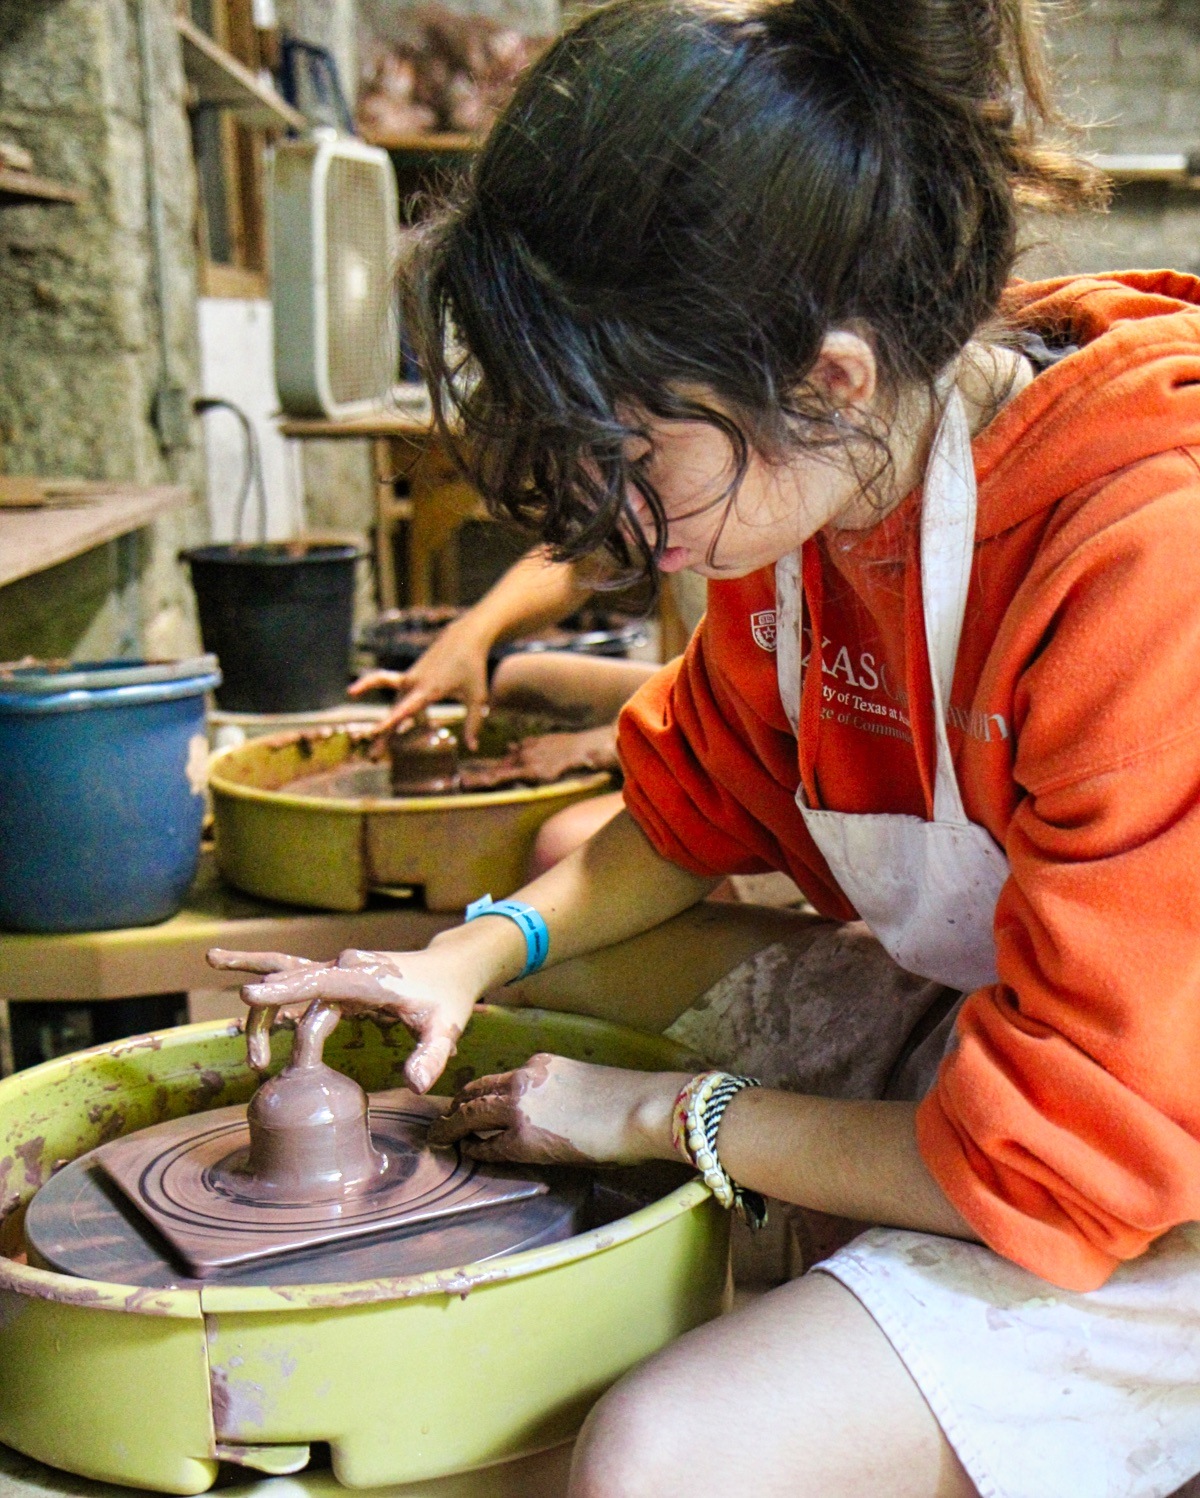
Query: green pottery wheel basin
x=409, y=1379
x=331, y=853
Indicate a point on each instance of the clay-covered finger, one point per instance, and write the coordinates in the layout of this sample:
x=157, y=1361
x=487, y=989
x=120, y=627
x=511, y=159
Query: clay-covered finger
x=258, y=1037
x=428, y=1061
x=470, y=1118
x=379, y=681
x=503, y=1148
x=332, y=983
x=476, y=712
x=501, y=1084
x=361, y=959
x=257, y=962
x=415, y=700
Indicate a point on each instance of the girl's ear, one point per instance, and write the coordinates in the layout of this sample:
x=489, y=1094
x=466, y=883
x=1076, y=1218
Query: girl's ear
x=846, y=373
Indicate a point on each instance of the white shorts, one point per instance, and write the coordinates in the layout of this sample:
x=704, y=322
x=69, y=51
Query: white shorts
x=1042, y=1393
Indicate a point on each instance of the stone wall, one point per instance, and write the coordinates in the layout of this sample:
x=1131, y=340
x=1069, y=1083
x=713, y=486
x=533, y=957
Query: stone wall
x=1130, y=71
x=79, y=356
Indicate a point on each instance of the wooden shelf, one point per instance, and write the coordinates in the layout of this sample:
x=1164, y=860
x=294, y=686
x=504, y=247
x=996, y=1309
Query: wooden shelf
x=219, y=81
x=434, y=141
x=32, y=540
x=25, y=187
x=411, y=421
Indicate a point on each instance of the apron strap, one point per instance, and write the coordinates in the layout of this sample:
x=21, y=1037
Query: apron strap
x=789, y=617
x=948, y=509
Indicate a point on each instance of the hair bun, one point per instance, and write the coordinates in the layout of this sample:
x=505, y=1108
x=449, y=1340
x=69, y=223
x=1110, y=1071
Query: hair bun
x=984, y=58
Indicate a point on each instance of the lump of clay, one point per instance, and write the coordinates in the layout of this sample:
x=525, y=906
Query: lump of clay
x=424, y=760
x=309, y=1134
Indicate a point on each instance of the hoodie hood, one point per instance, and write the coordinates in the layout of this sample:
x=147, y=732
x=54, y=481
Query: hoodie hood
x=1131, y=392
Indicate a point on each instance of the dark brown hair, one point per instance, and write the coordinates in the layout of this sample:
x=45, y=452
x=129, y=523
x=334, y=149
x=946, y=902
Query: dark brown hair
x=685, y=196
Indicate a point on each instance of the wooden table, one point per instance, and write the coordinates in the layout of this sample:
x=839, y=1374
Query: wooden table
x=408, y=453
x=169, y=958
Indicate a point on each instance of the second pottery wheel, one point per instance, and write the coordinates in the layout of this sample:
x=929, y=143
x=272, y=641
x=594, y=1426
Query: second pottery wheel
x=312, y=819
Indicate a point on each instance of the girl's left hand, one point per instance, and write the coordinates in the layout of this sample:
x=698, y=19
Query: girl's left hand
x=552, y=1111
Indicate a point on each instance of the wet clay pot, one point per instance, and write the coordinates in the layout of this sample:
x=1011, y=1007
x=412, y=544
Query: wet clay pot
x=309, y=1140
x=424, y=761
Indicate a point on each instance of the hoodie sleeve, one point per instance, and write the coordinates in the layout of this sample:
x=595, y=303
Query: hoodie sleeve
x=1065, y=1123
x=711, y=772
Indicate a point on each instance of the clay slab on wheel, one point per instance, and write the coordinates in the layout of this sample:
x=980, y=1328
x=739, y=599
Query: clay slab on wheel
x=80, y=1223
x=171, y=1174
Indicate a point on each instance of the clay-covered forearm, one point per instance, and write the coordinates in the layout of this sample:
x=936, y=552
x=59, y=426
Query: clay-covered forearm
x=849, y=1158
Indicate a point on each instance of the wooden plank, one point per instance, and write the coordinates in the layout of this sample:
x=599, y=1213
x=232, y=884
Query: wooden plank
x=18, y=491
x=416, y=423
x=220, y=81
x=233, y=281
x=34, y=539
x=169, y=958
x=435, y=140
x=25, y=187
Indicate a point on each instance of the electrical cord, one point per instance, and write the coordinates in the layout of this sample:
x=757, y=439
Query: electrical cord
x=252, y=473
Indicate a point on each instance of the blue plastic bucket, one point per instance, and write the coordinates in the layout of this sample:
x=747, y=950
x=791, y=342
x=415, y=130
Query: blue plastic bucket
x=101, y=791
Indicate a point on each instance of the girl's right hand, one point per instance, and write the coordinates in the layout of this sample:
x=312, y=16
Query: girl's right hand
x=454, y=666
x=417, y=988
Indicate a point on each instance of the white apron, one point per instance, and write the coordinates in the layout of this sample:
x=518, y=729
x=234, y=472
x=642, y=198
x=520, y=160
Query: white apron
x=927, y=890
x=1041, y=1392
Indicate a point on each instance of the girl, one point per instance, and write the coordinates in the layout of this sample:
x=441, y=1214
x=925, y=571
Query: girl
x=730, y=292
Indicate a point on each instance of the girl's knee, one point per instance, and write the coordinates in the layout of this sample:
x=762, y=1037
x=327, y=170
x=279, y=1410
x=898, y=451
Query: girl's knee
x=569, y=829
x=629, y=1448
x=555, y=839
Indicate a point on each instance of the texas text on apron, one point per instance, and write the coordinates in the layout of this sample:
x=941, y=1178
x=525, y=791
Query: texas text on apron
x=1042, y=1393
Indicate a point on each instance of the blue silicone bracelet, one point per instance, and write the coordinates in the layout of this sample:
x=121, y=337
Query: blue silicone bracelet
x=533, y=928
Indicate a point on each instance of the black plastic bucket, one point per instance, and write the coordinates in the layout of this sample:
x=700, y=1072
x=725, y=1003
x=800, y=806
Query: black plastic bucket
x=280, y=619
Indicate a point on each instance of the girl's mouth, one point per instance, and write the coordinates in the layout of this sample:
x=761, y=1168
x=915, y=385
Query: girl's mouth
x=674, y=559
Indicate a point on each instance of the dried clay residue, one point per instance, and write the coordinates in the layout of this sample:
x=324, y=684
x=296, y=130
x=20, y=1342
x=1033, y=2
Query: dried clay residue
x=209, y=1087
x=108, y=1119
x=30, y=1154
x=141, y=1043
x=236, y=1404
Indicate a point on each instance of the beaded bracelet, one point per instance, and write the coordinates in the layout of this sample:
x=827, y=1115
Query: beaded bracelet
x=695, y=1120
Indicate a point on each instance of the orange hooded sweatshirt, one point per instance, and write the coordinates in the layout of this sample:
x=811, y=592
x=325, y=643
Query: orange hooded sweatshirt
x=1065, y=1123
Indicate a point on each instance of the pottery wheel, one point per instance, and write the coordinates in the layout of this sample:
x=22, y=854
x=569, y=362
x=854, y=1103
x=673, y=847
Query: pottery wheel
x=183, y=1178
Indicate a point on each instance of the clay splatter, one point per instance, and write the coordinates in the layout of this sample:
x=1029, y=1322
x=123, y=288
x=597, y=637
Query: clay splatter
x=108, y=1119
x=30, y=1154
x=236, y=1404
x=210, y=1086
x=142, y=1043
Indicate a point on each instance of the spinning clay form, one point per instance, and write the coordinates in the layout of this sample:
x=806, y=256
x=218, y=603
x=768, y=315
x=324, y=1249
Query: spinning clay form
x=308, y=1163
